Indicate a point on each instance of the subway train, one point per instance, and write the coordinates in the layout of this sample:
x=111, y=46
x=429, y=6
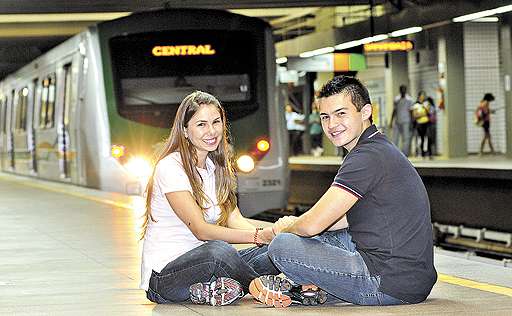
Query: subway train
x=93, y=110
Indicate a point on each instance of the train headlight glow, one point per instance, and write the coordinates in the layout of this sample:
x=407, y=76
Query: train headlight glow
x=117, y=151
x=138, y=167
x=263, y=145
x=245, y=163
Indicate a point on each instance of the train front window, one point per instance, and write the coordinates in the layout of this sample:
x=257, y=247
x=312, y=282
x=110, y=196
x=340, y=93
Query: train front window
x=153, y=72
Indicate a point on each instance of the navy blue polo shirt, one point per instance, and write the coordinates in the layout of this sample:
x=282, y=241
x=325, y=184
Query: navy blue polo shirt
x=390, y=223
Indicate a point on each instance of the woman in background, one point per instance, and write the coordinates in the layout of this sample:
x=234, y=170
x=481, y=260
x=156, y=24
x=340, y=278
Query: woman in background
x=421, y=116
x=483, y=118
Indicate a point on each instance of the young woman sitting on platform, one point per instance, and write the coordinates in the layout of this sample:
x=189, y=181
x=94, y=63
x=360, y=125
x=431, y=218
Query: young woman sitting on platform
x=192, y=217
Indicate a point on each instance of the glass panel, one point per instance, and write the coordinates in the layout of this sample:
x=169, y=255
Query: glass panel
x=50, y=114
x=67, y=93
x=44, y=104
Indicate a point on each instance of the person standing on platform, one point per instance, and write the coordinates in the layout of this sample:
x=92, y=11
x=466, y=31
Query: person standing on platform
x=295, y=126
x=315, y=130
x=432, y=129
x=401, y=120
x=421, y=116
x=483, y=118
x=368, y=239
x=191, y=215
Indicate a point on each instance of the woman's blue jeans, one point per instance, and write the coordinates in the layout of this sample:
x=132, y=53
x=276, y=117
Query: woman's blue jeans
x=331, y=262
x=211, y=260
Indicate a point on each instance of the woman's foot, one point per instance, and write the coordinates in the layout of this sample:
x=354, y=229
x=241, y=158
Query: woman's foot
x=222, y=291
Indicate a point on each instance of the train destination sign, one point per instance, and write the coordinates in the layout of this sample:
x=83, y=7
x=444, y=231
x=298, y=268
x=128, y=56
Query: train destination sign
x=183, y=50
x=390, y=46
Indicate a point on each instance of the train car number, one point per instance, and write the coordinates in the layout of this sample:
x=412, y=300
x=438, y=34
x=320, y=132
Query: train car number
x=271, y=182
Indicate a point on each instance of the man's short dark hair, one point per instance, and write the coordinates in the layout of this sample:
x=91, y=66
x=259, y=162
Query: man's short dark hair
x=347, y=85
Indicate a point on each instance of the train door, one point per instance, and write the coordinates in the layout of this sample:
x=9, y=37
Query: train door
x=31, y=126
x=65, y=144
x=67, y=122
x=22, y=158
x=46, y=144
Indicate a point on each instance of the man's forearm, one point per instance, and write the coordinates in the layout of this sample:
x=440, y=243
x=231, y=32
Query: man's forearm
x=300, y=227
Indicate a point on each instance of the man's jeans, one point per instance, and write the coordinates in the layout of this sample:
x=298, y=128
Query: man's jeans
x=402, y=131
x=331, y=262
x=212, y=260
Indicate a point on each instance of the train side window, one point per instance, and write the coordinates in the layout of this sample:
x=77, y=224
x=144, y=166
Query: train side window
x=47, y=113
x=67, y=93
x=51, y=103
x=21, y=109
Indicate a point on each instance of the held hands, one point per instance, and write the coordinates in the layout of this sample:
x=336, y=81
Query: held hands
x=265, y=236
x=283, y=224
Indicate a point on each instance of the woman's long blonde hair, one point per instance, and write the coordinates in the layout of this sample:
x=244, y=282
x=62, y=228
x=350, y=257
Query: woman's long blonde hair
x=222, y=157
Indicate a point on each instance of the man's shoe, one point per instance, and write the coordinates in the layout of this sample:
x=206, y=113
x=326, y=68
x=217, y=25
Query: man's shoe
x=222, y=291
x=270, y=290
x=310, y=296
x=280, y=292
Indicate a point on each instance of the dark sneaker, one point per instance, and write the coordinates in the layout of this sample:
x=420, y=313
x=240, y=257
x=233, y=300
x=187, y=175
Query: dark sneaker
x=311, y=296
x=280, y=292
x=222, y=291
x=271, y=290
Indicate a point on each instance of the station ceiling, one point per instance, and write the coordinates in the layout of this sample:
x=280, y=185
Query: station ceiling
x=28, y=28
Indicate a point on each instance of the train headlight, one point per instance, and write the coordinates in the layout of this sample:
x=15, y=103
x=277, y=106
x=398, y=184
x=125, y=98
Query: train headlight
x=263, y=145
x=245, y=163
x=117, y=151
x=138, y=167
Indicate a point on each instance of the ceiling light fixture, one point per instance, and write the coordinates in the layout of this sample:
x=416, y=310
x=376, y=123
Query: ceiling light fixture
x=281, y=60
x=316, y=52
x=482, y=14
x=487, y=19
x=409, y=30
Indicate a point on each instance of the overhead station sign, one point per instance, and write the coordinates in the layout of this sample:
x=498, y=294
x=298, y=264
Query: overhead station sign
x=336, y=62
x=389, y=46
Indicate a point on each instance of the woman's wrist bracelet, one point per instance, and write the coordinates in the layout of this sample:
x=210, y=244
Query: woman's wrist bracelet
x=256, y=242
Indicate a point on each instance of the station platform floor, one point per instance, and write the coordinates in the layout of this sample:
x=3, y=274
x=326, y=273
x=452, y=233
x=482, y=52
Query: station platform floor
x=67, y=250
x=495, y=162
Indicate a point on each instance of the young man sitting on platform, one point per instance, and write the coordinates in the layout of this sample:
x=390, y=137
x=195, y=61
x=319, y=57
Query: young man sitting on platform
x=385, y=255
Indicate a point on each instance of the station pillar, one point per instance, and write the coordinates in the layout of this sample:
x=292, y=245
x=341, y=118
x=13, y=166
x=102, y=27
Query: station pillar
x=451, y=77
x=506, y=56
x=396, y=74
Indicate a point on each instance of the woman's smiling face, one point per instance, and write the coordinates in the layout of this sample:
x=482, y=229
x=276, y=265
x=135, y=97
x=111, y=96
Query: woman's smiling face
x=205, y=130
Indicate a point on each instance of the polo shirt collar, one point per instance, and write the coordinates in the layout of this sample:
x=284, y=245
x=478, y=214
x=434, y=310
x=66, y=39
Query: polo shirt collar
x=369, y=132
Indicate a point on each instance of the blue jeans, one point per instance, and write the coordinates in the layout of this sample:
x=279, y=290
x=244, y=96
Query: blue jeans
x=331, y=262
x=402, y=131
x=211, y=260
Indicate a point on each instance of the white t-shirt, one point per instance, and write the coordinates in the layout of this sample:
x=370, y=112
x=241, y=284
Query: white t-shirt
x=168, y=237
x=291, y=125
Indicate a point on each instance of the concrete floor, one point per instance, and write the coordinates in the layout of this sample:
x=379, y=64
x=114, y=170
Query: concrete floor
x=66, y=250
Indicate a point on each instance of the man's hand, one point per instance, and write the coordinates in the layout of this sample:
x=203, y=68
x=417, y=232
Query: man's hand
x=283, y=223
